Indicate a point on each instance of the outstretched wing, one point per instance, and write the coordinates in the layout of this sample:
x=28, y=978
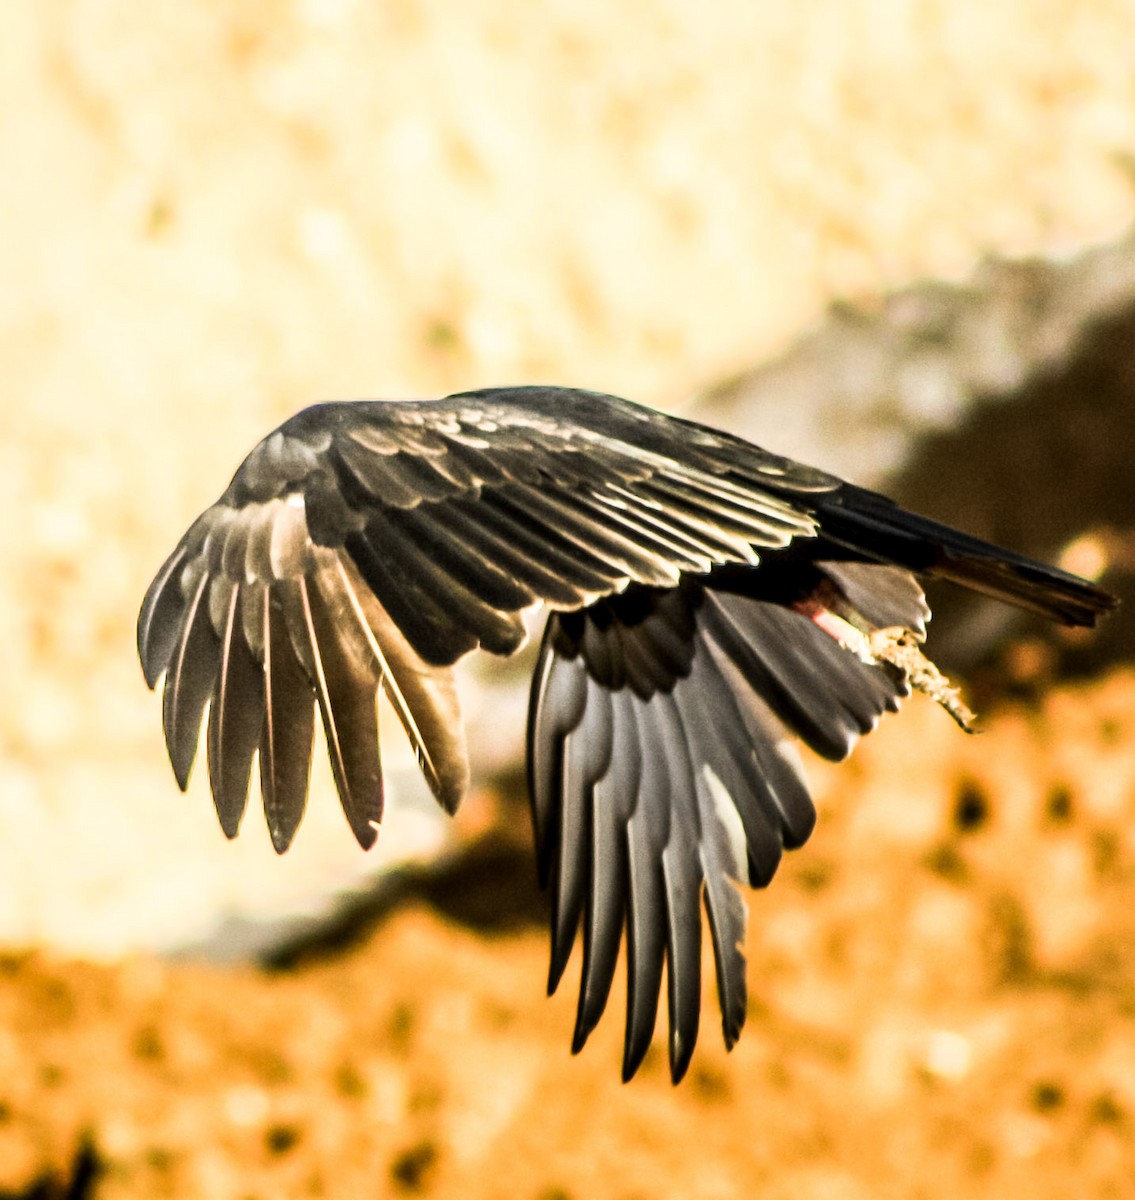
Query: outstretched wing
x=367, y=546
x=663, y=771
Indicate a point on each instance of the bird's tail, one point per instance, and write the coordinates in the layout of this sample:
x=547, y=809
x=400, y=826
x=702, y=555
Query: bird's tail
x=872, y=525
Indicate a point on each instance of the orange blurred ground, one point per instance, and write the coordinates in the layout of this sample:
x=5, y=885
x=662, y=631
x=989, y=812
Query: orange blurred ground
x=943, y=1004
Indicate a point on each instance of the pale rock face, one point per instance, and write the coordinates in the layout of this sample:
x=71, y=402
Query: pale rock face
x=212, y=218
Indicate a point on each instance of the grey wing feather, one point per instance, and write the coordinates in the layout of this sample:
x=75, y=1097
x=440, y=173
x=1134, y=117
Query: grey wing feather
x=647, y=834
x=159, y=621
x=236, y=717
x=436, y=536
x=189, y=681
x=424, y=697
x=884, y=596
x=585, y=760
x=682, y=875
x=406, y=577
x=712, y=705
x=346, y=692
x=289, y=726
x=559, y=693
x=613, y=800
x=821, y=691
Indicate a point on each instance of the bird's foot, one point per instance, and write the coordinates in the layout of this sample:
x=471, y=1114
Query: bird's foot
x=898, y=648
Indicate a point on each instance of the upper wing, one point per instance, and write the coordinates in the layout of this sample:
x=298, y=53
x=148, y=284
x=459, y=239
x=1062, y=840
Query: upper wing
x=366, y=546
x=460, y=513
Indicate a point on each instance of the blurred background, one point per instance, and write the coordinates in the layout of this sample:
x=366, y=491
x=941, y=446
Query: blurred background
x=891, y=238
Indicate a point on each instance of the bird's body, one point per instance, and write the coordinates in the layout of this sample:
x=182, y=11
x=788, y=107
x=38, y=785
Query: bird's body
x=709, y=603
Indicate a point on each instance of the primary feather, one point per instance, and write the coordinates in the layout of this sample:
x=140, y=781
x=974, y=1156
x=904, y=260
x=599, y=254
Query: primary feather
x=710, y=602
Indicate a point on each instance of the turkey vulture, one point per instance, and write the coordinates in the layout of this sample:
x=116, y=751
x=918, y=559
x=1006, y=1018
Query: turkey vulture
x=709, y=602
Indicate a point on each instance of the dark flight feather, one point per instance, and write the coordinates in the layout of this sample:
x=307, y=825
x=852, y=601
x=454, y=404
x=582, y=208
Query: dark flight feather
x=236, y=717
x=289, y=726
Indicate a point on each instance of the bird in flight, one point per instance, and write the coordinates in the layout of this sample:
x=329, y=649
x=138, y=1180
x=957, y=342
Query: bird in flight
x=709, y=603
